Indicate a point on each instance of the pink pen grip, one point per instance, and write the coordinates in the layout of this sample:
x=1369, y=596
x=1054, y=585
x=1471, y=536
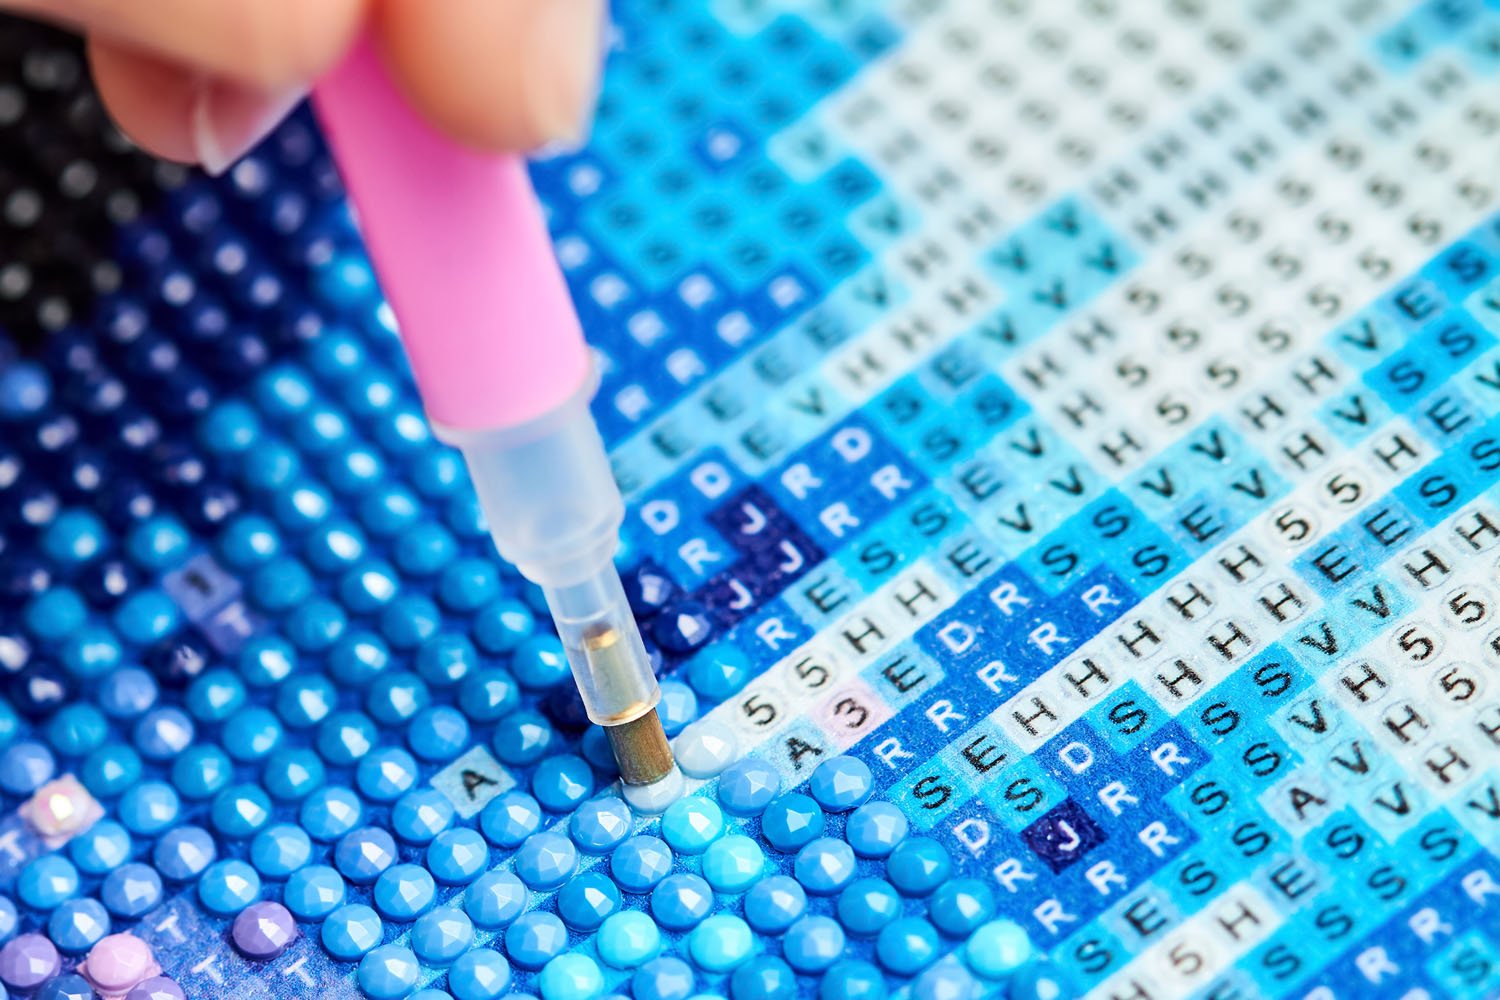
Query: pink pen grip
x=462, y=253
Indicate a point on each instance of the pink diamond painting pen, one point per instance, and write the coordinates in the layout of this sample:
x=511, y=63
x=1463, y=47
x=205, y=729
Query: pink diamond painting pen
x=462, y=253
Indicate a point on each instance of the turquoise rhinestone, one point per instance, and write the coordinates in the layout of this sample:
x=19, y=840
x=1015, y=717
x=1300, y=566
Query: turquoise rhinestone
x=681, y=900
x=149, y=807
x=747, y=786
x=960, y=906
x=110, y=770
x=446, y=659
x=437, y=472
x=389, y=972
x=907, y=946
x=813, y=943
x=571, y=977
x=719, y=671
x=424, y=549
x=92, y=651
x=159, y=542
x=540, y=662
x=441, y=935
x=251, y=734
x=404, y=892
x=420, y=815
x=201, y=771
x=503, y=625
x=305, y=701
x=368, y=587
x=733, y=863
x=229, y=428
x=383, y=775
x=561, y=783
x=127, y=693
x=665, y=978
x=394, y=699
x=25, y=767
x=249, y=540
x=215, y=695
x=353, y=471
x=918, y=866
x=351, y=931
x=74, y=537
x=301, y=506
x=101, y=849
x=241, y=811
x=319, y=429
x=522, y=738
x=313, y=892
x=628, y=939
x=998, y=948
x=345, y=737
x=720, y=942
x=546, y=860
x=875, y=828
x=282, y=583
x=387, y=510
x=227, y=887
x=316, y=624
x=278, y=851
x=184, y=853
x=358, y=658
x=586, y=900
x=335, y=547
x=495, y=899
x=774, y=904
x=291, y=774
x=841, y=783
x=481, y=974
x=468, y=584
x=457, y=857
x=147, y=617
x=866, y=905
x=600, y=825
x=438, y=733
x=329, y=813
x=465, y=516
x=510, y=818
x=945, y=981
x=77, y=925
x=364, y=854
x=641, y=862
x=791, y=822
x=282, y=391
x=55, y=613
x=486, y=695
x=77, y=729
x=266, y=660
x=535, y=938
x=46, y=881
x=764, y=977
x=852, y=979
x=824, y=866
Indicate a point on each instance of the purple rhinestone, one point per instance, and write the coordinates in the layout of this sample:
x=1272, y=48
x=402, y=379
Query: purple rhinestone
x=157, y=988
x=28, y=961
x=263, y=930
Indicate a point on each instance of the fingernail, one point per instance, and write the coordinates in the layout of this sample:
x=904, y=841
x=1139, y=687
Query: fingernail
x=563, y=58
x=227, y=120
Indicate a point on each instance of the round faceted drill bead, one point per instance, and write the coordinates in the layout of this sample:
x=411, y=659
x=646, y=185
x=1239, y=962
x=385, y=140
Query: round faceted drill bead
x=539, y=662
x=665, y=978
x=763, y=978
x=719, y=671
x=446, y=659
x=263, y=930
x=241, y=811
x=9, y=918
x=522, y=738
x=250, y=734
x=305, y=701
x=394, y=699
x=486, y=695
x=438, y=733
x=866, y=905
x=721, y=942
x=561, y=783
x=351, y=931
x=389, y=972
x=508, y=819
x=585, y=901
x=279, y=850
x=227, y=887
x=535, y=938
x=314, y=892
x=163, y=733
x=457, y=857
x=408, y=620
x=329, y=813
x=131, y=890
x=640, y=863
x=441, y=935
x=117, y=962
x=733, y=863
x=421, y=814
x=907, y=946
x=46, y=881
x=683, y=628
x=291, y=774
x=100, y=849
x=958, y=907
x=68, y=987
x=267, y=660
x=202, y=771
x=998, y=948
x=875, y=828
x=748, y=786
x=383, y=775
x=852, y=979
x=28, y=961
x=215, y=695
x=494, y=900
x=813, y=943
x=824, y=866
x=681, y=900
x=573, y=976
x=345, y=737
x=77, y=925
x=546, y=860
x=363, y=854
x=791, y=822
x=627, y=939
x=157, y=988
x=25, y=767
x=600, y=825
x=690, y=824
x=183, y=853
x=501, y=626
x=1037, y=981
x=945, y=981
x=404, y=892
x=481, y=974
x=358, y=658
x=77, y=729
x=918, y=866
x=841, y=783
x=127, y=693
x=468, y=584
x=774, y=904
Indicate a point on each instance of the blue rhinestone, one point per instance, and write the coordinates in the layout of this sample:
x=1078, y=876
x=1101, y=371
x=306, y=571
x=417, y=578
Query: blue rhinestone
x=305, y=701
x=540, y=663
x=918, y=866
x=681, y=900
x=998, y=948
x=39, y=691
x=792, y=821
x=481, y=974
x=353, y=471
x=368, y=587
x=420, y=815
x=456, y=857
x=344, y=737
x=351, y=931
x=215, y=695
x=358, y=658
x=502, y=626
x=68, y=987
x=386, y=511
x=335, y=547
x=163, y=733
x=945, y=981
x=47, y=881
x=149, y=807
x=77, y=730
x=841, y=783
x=279, y=850
x=664, y=978
x=127, y=693
x=9, y=918
x=227, y=887
x=522, y=738
x=648, y=590
x=77, y=925
x=146, y=617
x=424, y=549
x=250, y=734
x=441, y=935
x=301, y=505
x=546, y=860
x=248, y=541
x=747, y=786
x=394, y=699
x=329, y=813
x=585, y=901
x=561, y=783
x=409, y=621
x=55, y=613
x=495, y=899
x=852, y=979
x=626, y=939
x=595, y=748
x=678, y=706
x=389, y=972
x=683, y=628
x=241, y=811
x=573, y=976
x=875, y=828
x=184, y=853
x=509, y=819
x=824, y=866
x=25, y=767
x=101, y=849
x=404, y=892
x=486, y=695
x=535, y=938
x=866, y=905
x=721, y=942
x=316, y=624
x=290, y=774
x=92, y=651
x=438, y=733
x=446, y=659
x=640, y=863
x=907, y=946
x=281, y=584
x=131, y=890
x=763, y=978
x=364, y=853
x=383, y=775
x=600, y=825
x=733, y=863
x=266, y=660
x=774, y=904
x=719, y=672
x=110, y=770
x=158, y=542
x=468, y=584
x=314, y=892
x=960, y=906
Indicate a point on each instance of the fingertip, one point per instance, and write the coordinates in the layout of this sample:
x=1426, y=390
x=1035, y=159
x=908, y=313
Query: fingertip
x=149, y=98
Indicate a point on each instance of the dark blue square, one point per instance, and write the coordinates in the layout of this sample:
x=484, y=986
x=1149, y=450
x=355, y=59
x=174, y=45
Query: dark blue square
x=1063, y=836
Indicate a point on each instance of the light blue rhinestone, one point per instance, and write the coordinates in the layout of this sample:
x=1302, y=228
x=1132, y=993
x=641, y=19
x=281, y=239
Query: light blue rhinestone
x=535, y=938
x=215, y=695
x=290, y=774
x=960, y=906
x=424, y=549
x=314, y=892
x=546, y=860
x=158, y=542
x=1040, y=980
x=345, y=737
x=438, y=733
x=249, y=540
x=824, y=866
x=363, y=854
x=481, y=974
x=421, y=814
x=351, y=931
x=561, y=783
x=522, y=737
x=389, y=972
x=586, y=900
x=540, y=662
x=90, y=652
x=998, y=948
x=227, y=887
x=441, y=935
x=573, y=976
x=627, y=939
x=681, y=900
x=25, y=767
x=353, y=471
x=747, y=786
x=384, y=775
x=641, y=862
x=866, y=905
x=690, y=824
x=468, y=584
x=677, y=708
x=266, y=660
x=329, y=813
x=250, y=734
x=279, y=850
x=55, y=613
x=501, y=626
x=47, y=881
x=446, y=659
x=303, y=702
x=841, y=783
x=432, y=994
x=774, y=904
x=918, y=866
x=358, y=658
x=315, y=624
x=184, y=853
x=131, y=890
x=510, y=818
x=386, y=511
x=163, y=733
x=149, y=807
x=77, y=925
x=764, y=977
x=335, y=547
x=907, y=946
x=945, y=981
x=404, y=892
x=9, y=918
x=110, y=770
x=733, y=863
x=721, y=942
x=486, y=695
x=852, y=979
x=241, y=811
x=65, y=987
x=408, y=621
x=148, y=616
x=100, y=849
x=74, y=537
x=495, y=899
x=456, y=857
x=202, y=771
x=281, y=584
x=395, y=698
x=719, y=671
x=302, y=504
x=791, y=822
x=600, y=825
x=875, y=828
x=369, y=587
x=813, y=943
x=127, y=692
x=665, y=978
